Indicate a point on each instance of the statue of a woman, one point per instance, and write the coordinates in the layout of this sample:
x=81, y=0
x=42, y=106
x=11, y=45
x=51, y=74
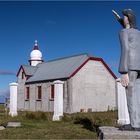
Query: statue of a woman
x=129, y=66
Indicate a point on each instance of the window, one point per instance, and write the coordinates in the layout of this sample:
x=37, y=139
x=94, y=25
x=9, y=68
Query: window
x=30, y=63
x=27, y=93
x=22, y=75
x=52, y=92
x=39, y=93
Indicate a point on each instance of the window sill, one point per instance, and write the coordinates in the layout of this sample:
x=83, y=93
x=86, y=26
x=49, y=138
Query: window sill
x=26, y=99
x=51, y=99
x=39, y=100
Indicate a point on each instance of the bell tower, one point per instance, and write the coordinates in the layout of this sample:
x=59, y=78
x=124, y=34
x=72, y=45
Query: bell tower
x=35, y=55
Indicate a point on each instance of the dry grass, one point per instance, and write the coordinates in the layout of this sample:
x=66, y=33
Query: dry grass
x=39, y=125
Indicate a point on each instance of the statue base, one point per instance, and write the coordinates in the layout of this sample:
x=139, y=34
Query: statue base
x=107, y=132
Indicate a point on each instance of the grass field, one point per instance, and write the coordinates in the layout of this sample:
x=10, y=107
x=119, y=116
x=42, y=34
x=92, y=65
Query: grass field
x=39, y=125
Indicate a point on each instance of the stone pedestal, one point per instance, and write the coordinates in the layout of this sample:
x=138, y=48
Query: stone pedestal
x=13, y=99
x=106, y=132
x=58, y=100
x=123, y=115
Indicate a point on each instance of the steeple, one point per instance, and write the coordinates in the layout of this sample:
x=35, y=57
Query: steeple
x=36, y=45
x=35, y=55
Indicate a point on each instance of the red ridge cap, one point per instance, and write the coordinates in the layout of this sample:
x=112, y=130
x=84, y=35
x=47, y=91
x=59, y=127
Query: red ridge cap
x=111, y=72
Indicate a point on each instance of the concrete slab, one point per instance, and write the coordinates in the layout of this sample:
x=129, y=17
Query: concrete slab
x=14, y=124
x=107, y=132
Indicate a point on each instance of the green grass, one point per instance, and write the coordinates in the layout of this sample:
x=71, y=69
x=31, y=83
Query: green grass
x=39, y=125
x=1, y=107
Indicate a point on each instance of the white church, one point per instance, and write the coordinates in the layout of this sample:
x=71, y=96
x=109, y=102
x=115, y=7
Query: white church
x=87, y=84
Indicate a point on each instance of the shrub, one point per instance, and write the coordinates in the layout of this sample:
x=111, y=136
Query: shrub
x=92, y=121
x=86, y=122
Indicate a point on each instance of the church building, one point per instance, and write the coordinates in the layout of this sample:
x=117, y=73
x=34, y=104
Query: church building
x=89, y=84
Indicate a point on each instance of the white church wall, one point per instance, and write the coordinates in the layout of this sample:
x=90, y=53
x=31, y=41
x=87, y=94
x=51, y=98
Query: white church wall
x=38, y=102
x=38, y=106
x=45, y=96
x=32, y=99
x=69, y=108
x=27, y=105
x=44, y=104
x=65, y=97
x=93, y=87
x=20, y=91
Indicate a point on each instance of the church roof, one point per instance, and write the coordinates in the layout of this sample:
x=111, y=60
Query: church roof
x=61, y=68
x=28, y=70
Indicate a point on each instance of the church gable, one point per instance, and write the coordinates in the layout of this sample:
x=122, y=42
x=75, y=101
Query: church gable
x=26, y=70
x=95, y=59
x=91, y=84
x=21, y=73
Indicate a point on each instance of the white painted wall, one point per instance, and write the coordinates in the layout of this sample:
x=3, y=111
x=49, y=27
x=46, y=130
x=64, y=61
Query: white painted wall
x=93, y=87
x=21, y=91
x=45, y=104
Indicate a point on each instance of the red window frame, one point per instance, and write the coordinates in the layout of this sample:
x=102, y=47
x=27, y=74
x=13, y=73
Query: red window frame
x=27, y=93
x=52, y=92
x=39, y=93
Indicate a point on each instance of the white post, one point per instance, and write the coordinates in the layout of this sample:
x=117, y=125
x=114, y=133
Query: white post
x=13, y=99
x=58, y=100
x=123, y=115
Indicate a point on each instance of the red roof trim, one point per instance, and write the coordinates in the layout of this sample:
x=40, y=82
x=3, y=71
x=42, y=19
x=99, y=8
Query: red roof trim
x=97, y=59
x=20, y=70
x=109, y=69
x=79, y=68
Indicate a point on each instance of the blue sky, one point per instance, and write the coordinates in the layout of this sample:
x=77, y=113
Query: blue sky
x=62, y=29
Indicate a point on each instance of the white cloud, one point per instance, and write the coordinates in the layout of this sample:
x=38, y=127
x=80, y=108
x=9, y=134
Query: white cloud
x=6, y=72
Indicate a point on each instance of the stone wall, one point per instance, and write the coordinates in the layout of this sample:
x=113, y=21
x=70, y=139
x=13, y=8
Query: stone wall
x=20, y=91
